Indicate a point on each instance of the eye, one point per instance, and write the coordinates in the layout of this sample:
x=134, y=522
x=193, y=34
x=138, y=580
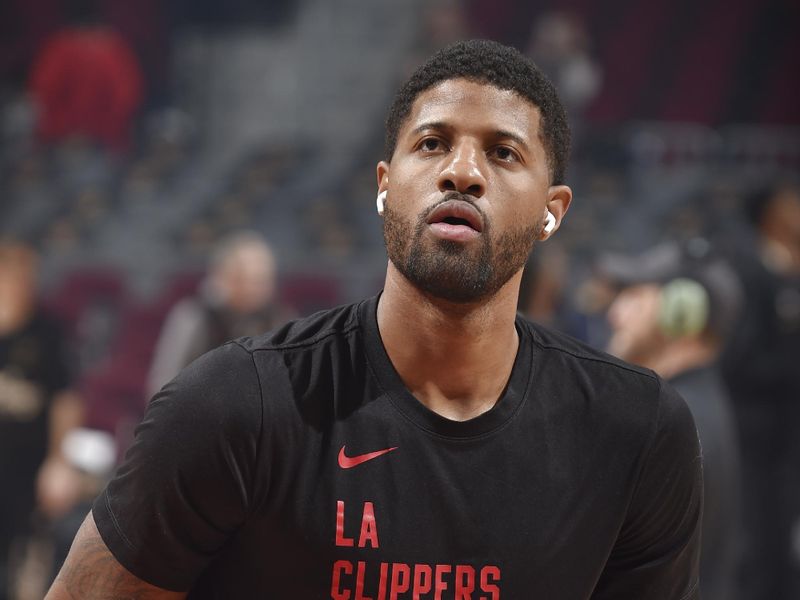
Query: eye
x=431, y=144
x=504, y=154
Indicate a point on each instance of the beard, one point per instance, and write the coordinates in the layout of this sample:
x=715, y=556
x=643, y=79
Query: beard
x=452, y=271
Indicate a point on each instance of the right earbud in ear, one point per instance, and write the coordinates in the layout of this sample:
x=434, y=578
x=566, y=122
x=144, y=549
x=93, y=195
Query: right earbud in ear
x=380, y=201
x=550, y=222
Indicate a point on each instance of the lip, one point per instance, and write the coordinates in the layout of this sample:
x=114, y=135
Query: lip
x=456, y=209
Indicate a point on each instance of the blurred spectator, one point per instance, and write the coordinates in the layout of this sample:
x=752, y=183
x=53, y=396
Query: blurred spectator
x=542, y=295
x=87, y=82
x=212, y=13
x=237, y=298
x=443, y=22
x=592, y=298
x=674, y=311
x=762, y=369
x=37, y=410
x=559, y=45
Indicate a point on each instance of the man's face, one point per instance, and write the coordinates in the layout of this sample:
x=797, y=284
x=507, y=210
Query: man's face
x=633, y=317
x=468, y=187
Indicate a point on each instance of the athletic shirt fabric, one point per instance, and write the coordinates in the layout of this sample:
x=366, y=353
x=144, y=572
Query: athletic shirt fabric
x=253, y=476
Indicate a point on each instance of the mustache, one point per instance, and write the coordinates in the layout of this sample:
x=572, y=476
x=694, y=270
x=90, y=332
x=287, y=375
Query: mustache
x=453, y=195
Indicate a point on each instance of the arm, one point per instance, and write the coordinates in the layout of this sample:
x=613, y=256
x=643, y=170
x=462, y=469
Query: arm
x=184, y=488
x=92, y=573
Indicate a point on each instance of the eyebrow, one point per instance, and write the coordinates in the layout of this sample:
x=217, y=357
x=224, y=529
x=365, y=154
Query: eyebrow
x=507, y=135
x=440, y=125
x=498, y=134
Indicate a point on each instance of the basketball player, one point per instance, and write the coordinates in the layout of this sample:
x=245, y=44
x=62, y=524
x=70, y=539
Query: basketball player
x=424, y=443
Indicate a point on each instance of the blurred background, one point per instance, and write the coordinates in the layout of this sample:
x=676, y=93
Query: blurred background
x=174, y=174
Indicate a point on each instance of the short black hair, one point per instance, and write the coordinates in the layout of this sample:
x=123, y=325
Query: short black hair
x=485, y=61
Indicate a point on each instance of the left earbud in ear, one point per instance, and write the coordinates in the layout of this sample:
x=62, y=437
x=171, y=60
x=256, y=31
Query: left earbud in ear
x=380, y=201
x=550, y=222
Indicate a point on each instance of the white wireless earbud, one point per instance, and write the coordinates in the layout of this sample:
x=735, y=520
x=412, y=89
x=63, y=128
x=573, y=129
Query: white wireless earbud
x=550, y=222
x=380, y=200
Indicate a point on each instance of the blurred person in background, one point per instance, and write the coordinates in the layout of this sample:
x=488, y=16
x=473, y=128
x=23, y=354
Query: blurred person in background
x=86, y=83
x=543, y=292
x=559, y=44
x=444, y=22
x=37, y=410
x=673, y=313
x=762, y=368
x=238, y=297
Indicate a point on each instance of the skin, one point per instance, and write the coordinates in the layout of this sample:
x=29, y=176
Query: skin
x=92, y=573
x=455, y=357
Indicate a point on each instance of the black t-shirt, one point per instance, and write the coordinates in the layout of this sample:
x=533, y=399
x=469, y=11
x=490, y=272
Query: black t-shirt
x=297, y=465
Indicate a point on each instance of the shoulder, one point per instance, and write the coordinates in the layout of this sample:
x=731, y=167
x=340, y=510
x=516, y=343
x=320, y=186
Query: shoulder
x=220, y=389
x=306, y=333
x=578, y=356
x=627, y=398
x=308, y=365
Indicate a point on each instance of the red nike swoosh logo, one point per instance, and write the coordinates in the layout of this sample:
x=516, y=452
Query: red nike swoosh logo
x=348, y=462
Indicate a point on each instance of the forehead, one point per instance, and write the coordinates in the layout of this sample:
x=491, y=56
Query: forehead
x=475, y=105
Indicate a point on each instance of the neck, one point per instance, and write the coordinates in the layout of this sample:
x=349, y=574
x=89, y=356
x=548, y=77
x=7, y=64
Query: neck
x=454, y=358
x=680, y=356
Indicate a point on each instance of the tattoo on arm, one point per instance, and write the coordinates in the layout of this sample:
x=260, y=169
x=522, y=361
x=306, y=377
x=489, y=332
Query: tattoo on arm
x=92, y=573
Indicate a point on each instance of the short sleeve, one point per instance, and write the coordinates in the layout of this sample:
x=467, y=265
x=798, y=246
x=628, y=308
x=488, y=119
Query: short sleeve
x=185, y=485
x=657, y=553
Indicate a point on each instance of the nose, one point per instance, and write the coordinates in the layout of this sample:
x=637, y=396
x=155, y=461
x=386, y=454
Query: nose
x=464, y=171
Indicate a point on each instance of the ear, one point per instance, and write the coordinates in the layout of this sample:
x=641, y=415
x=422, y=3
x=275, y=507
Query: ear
x=559, y=197
x=383, y=176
